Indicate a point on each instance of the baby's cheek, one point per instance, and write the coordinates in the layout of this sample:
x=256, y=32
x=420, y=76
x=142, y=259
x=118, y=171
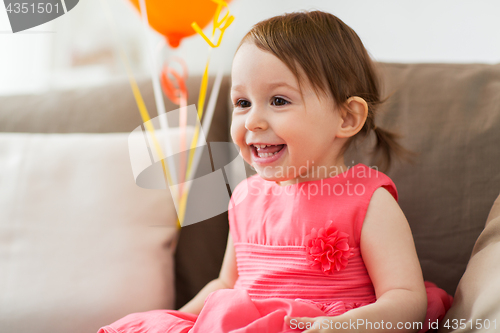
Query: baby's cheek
x=238, y=131
x=234, y=133
x=245, y=153
x=239, y=140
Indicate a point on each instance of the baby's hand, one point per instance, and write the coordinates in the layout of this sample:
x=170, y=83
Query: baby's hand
x=313, y=325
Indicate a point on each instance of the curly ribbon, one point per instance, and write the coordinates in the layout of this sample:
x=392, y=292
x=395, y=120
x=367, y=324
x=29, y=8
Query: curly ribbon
x=178, y=95
x=217, y=24
x=222, y=25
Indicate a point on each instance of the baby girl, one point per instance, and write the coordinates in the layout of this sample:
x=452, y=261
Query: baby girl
x=313, y=245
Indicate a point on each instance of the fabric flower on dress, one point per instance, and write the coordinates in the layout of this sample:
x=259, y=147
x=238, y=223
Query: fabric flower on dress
x=328, y=248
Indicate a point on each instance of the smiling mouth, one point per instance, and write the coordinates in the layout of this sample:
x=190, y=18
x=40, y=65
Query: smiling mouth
x=264, y=151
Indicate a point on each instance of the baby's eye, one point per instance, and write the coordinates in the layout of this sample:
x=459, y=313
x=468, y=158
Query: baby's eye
x=242, y=103
x=278, y=101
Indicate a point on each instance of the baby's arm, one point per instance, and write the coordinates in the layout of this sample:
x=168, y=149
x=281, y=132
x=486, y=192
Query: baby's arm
x=390, y=257
x=227, y=277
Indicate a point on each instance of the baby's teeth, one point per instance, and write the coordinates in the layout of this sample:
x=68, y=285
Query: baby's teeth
x=262, y=146
x=267, y=154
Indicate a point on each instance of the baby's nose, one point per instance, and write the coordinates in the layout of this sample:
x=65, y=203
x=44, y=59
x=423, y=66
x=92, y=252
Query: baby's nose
x=256, y=120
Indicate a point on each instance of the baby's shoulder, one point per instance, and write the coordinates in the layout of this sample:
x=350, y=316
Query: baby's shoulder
x=371, y=179
x=374, y=187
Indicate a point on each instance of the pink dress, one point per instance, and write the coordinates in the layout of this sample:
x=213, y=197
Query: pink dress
x=297, y=251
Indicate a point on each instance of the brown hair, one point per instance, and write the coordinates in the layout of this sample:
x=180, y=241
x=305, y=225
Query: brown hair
x=335, y=61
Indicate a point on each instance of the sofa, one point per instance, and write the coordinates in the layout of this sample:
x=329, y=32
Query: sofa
x=81, y=245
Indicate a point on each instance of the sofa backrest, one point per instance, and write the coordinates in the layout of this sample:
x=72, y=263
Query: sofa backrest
x=106, y=108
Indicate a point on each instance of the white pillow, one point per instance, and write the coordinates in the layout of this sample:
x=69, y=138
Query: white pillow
x=80, y=244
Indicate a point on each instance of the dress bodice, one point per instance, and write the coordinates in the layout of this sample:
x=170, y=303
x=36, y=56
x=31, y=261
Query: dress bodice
x=280, y=232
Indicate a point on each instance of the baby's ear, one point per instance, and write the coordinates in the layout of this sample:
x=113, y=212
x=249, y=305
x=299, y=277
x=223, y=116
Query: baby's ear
x=354, y=113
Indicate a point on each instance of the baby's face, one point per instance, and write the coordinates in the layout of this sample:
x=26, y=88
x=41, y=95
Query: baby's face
x=269, y=110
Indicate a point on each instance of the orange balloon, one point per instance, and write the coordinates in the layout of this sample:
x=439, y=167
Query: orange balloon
x=173, y=19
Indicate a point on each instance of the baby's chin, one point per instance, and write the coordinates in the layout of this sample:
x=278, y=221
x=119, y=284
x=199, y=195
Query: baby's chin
x=269, y=176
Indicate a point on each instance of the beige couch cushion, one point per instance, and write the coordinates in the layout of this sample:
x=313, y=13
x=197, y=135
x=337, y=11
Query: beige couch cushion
x=80, y=244
x=478, y=293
